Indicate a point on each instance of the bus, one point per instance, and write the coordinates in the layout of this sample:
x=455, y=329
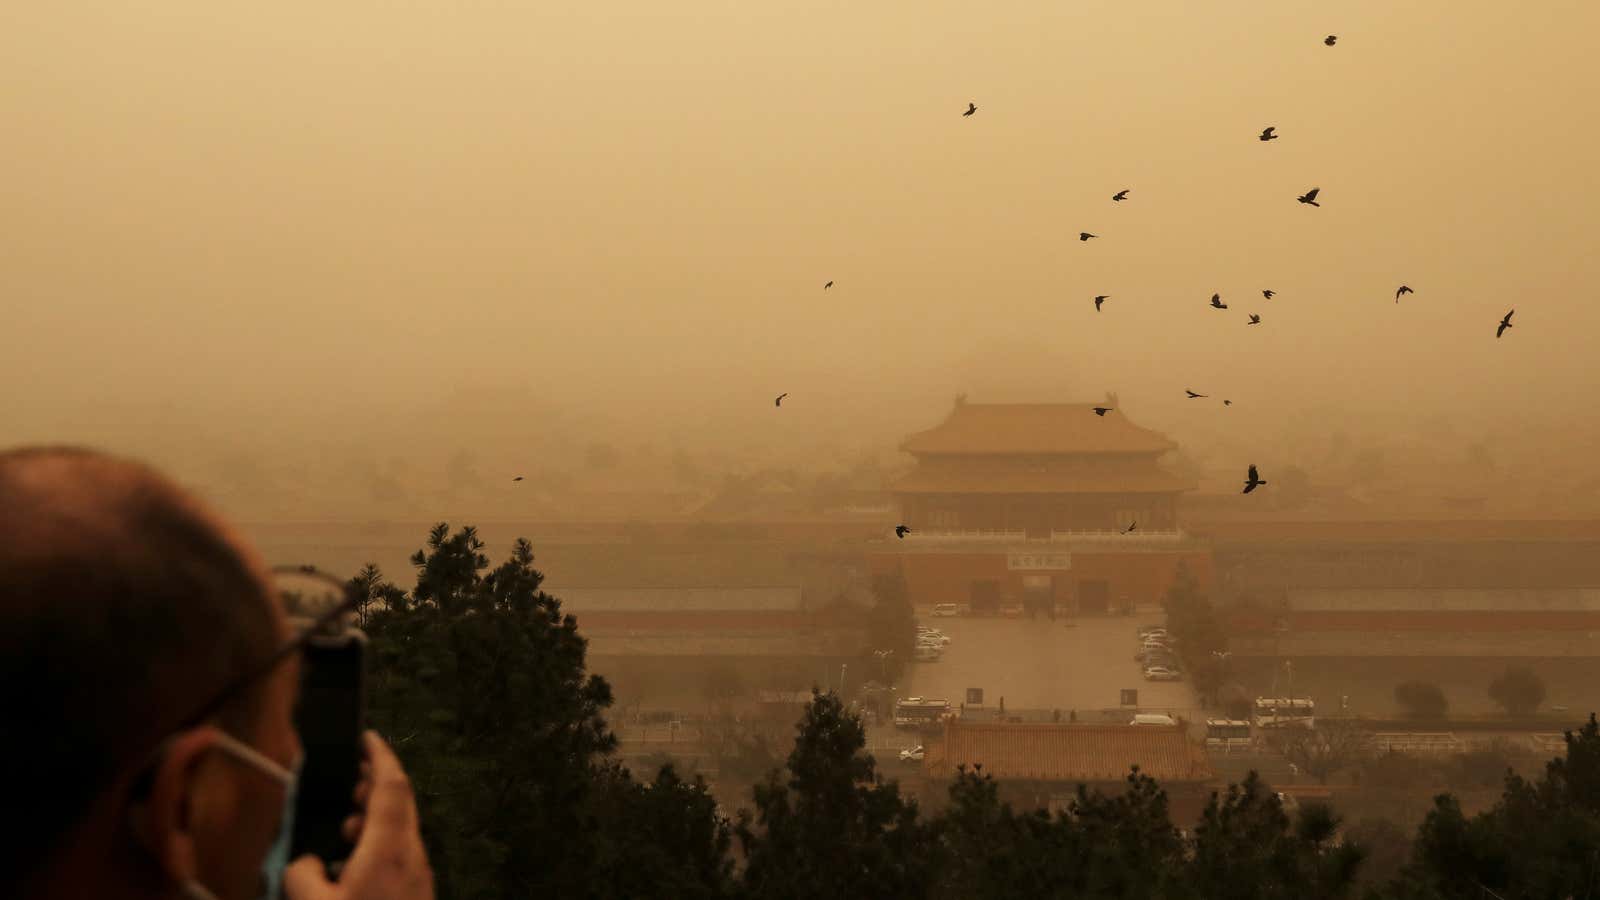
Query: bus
x=1227, y=734
x=1277, y=711
x=917, y=712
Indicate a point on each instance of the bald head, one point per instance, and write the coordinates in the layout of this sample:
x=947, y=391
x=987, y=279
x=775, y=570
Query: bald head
x=124, y=606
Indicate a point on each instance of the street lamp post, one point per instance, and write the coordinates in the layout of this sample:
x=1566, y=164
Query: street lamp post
x=883, y=663
x=1222, y=657
x=842, y=667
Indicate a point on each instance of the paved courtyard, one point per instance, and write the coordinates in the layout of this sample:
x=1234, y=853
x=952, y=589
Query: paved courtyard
x=1041, y=664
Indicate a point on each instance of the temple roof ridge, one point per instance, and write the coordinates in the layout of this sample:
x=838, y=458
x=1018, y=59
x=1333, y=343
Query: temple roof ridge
x=1036, y=428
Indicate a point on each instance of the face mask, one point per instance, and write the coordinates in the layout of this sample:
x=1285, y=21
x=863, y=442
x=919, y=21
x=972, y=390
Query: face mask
x=277, y=858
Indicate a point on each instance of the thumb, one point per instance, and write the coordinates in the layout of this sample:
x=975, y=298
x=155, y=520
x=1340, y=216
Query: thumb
x=307, y=879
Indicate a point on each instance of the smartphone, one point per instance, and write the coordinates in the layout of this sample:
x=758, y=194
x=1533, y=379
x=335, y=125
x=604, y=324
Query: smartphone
x=331, y=719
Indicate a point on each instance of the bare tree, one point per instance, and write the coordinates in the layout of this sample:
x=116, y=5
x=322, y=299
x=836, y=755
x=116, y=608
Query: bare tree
x=1334, y=745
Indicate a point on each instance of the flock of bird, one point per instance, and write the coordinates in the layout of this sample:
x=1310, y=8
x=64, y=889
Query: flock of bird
x=1253, y=479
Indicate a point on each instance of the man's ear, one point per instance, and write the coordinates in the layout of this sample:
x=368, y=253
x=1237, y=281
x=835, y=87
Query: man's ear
x=177, y=807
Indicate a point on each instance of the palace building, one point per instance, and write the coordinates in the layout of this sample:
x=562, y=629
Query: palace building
x=1040, y=765
x=1042, y=507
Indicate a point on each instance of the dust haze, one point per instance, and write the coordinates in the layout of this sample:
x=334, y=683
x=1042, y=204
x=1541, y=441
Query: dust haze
x=312, y=258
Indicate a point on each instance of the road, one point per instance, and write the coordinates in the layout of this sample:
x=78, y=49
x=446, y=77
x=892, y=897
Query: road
x=1045, y=665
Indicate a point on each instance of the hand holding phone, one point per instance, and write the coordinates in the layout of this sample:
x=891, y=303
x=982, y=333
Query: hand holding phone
x=331, y=719
x=388, y=862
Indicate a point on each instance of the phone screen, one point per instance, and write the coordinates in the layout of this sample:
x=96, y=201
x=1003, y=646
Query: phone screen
x=331, y=718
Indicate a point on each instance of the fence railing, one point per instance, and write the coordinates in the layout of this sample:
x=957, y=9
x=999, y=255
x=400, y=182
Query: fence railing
x=998, y=536
x=1174, y=536
x=953, y=536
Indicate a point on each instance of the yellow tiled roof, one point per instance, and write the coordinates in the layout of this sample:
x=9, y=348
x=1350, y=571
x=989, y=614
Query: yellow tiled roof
x=1043, y=428
x=944, y=482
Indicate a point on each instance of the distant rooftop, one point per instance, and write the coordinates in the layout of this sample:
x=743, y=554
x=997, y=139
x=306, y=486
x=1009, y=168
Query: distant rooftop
x=1068, y=752
x=779, y=598
x=1153, y=481
x=1282, y=529
x=1035, y=428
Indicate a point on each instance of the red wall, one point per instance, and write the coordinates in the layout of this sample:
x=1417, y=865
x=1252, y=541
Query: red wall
x=1252, y=621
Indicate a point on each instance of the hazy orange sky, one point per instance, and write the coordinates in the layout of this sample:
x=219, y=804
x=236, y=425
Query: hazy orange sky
x=279, y=220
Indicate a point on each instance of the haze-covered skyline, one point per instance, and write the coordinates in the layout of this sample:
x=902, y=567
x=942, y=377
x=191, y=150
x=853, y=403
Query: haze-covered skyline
x=282, y=226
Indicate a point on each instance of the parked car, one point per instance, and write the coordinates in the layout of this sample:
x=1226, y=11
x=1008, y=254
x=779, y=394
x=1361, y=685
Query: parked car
x=1153, y=719
x=1156, y=658
x=935, y=637
x=912, y=754
x=944, y=609
x=1147, y=630
x=1012, y=611
x=1161, y=673
x=925, y=653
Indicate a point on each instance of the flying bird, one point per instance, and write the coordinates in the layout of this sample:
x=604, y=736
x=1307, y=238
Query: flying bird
x=1267, y=133
x=1130, y=528
x=1193, y=395
x=1330, y=39
x=1268, y=294
x=779, y=401
x=1084, y=235
x=971, y=108
x=1099, y=300
x=900, y=531
x=518, y=478
x=1227, y=403
x=1254, y=481
x=828, y=285
x=1121, y=195
x=1403, y=290
x=1310, y=197
x=1216, y=302
x=1504, y=324
x=1102, y=410
x=1254, y=319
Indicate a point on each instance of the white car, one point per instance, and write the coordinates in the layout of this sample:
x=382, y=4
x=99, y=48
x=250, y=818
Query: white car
x=911, y=754
x=1153, y=719
x=1161, y=673
x=945, y=609
x=935, y=638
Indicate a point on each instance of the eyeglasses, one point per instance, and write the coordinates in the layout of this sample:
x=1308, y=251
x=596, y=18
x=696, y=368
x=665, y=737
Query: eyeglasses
x=283, y=576
x=327, y=598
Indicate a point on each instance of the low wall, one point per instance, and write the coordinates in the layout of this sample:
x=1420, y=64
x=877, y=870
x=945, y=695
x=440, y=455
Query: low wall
x=1352, y=643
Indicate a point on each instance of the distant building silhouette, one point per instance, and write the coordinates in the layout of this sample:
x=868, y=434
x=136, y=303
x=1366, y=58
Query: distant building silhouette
x=1024, y=507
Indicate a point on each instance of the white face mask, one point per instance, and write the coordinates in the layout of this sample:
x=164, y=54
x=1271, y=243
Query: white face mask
x=277, y=858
